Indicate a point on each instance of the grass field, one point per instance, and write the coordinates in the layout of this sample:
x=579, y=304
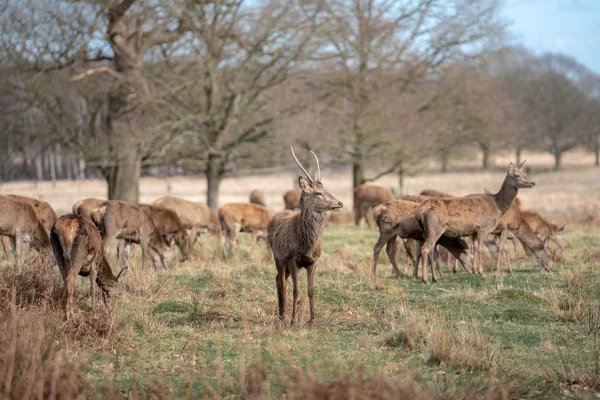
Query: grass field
x=208, y=328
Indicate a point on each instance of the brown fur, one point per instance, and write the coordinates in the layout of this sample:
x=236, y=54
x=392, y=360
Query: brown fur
x=396, y=218
x=133, y=223
x=513, y=222
x=365, y=198
x=545, y=229
x=341, y=217
x=243, y=217
x=296, y=239
x=170, y=227
x=195, y=216
x=43, y=210
x=473, y=215
x=257, y=196
x=434, y=193
x=19, y=222
x=85, y=207
x=79, y=250
x=291, y=198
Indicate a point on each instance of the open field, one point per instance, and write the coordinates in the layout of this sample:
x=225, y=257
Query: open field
x=571, y=195
x=208, y=328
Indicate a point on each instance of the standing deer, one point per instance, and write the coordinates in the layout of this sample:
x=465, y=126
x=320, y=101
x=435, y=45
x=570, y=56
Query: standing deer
x=243, y=217
x=291, y=198
x=43, y=210
x=257, y=196
x=170, y=227
x=79, y=250
x=85, y=207
x=396, y=218
x=195, y=216
x=133, y=223
x=296, y=238
x=366, y=197
x=475, y=215
x=20, y=223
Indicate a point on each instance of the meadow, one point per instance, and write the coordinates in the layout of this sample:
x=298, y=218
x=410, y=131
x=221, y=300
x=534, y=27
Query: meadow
x=208, y=327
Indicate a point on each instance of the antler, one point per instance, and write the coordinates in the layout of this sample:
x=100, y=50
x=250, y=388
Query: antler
x=521, y=164
x=301, y=167
x=318, y=166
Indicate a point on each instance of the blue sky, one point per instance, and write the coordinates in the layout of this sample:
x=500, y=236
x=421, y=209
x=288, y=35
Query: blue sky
x=571, y=27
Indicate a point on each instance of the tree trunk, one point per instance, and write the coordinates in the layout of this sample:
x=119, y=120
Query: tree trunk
x=444, y=161
x=486, y=156
x=518, y=154
x=597, y=150
x=358, y=173
x=214, y=175
x=401, y=180
x=557, y=159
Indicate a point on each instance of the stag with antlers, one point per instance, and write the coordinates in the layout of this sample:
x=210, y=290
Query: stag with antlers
x=296, y=238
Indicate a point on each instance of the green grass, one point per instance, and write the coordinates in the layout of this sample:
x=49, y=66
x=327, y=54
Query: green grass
x=197, y=328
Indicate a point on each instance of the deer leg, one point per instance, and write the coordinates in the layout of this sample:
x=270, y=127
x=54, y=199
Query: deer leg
x=479, y=252
x=408, y=248
x=310, y=281
x=6, y=247
x=392, y=251
x=93, y=276
x=366, y=215
x=383, y=239
x=280, y=281
x=502, y=248
x=433, y=256
x=18, y=249
x=295, y=290
x=438, y=263
x=416, y=260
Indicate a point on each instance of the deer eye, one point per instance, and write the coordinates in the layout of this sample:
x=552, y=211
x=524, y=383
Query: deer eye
x=319, y=194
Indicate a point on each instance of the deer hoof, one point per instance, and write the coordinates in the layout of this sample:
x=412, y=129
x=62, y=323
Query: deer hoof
x=426, y=282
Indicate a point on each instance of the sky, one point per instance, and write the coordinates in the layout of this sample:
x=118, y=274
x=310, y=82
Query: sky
x=571, y=27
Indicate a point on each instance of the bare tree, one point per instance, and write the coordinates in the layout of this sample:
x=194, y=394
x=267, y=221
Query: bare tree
x=388, y=43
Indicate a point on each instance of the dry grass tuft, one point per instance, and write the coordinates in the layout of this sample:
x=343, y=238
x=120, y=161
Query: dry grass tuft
x=36, y=284
x=31, y=365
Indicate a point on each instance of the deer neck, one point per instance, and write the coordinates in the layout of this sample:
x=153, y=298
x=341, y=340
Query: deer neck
x=312, y=223
x=505, y=196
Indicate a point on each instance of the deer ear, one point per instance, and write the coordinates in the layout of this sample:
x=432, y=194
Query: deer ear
x=122, y=274
x=546, y=241
x=303, y=183
x=511, y=168
x=562, y=228
x=171, y=241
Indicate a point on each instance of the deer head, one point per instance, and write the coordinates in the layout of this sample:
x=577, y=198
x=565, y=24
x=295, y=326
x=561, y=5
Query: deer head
x=114, y=289
x=314, y=195
x=517, y=176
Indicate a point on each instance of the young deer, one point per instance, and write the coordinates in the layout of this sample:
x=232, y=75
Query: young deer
x=132, y=223
x=365, y=198
x=296, y=238
x=257, y=196
x=195, y=216
x=396, y=218
x=43, y=210
x=243, y=217
x=85, y=207
x=170, y=227
x=475, y=215
x=291, y=198
x=79, y=250
x=20, y=223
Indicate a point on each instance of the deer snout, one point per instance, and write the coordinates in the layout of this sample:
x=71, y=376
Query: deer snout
x=341, y=204
x=532, y=183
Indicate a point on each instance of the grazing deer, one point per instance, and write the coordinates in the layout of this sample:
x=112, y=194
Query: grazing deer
x=195, y=216
x=544, y=228
x=170, y=227
x=79, y=250
x=291, y=198
x=475, y=215
x=296, y=238
x=513, y=222
x=85, y=207
x=257, y=196
x=365, y=198
x=243, y=217
x=20, y=223
x=396, y=218
x=133, y=223
x=43, y=210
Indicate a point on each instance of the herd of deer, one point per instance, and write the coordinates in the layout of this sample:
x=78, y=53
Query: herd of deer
x=79, y=240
